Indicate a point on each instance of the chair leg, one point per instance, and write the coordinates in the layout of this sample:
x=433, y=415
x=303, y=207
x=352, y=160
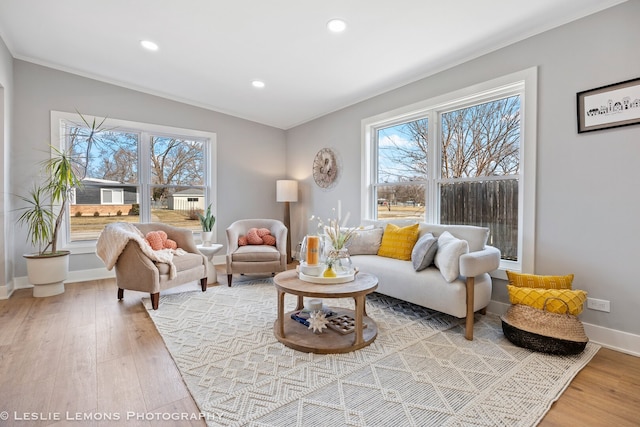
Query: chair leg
x=229, y=277
x=155, y=300
x=120, y=293
x=203, y=284
x=469, y=321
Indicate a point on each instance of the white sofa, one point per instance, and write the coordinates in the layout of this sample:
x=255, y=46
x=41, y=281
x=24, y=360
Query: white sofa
x=468, y=293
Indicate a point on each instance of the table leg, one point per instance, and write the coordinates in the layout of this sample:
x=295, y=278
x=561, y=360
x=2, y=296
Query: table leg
x=281, y=313
x=300, y=305
x=359, y=339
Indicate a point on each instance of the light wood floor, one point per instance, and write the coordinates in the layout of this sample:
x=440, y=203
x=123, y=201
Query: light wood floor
x=84, y=354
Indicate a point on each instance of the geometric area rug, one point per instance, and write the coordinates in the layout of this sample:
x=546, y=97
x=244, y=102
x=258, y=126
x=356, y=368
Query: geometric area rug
x=420, y=370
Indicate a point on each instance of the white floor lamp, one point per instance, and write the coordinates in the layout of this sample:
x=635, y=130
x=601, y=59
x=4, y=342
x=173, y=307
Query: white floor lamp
x=287, y=191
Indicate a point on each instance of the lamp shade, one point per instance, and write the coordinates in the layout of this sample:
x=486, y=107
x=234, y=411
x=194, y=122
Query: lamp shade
x=286, y=190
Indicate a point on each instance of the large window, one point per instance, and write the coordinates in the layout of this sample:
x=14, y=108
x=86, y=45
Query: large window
x=135, y=172
x=459, y=159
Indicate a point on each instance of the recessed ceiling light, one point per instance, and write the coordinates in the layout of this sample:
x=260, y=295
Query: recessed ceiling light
x=336, y=25
x=149, y=45
x=258, y=83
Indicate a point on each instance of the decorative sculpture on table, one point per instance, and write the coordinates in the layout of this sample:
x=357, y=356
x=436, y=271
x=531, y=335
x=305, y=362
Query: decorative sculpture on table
x=318, y=321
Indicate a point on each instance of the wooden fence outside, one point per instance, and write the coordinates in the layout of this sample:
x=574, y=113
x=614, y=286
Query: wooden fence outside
x=492, y=204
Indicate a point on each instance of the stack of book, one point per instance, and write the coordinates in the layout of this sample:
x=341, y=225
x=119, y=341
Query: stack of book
x=302, y=316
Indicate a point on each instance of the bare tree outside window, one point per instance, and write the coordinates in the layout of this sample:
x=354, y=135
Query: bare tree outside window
x=482, y=140
x=110, y=165
x=175, y=163
x=479, y=150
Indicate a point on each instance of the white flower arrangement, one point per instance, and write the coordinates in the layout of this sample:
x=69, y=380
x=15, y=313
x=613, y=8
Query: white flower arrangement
x=337, y=233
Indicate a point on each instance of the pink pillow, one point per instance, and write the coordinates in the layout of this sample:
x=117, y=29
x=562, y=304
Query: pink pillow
x=158, y=240
x=269, y=240
x=154, y=238
x=253, y=238
x=242, y=241
x=170, y=244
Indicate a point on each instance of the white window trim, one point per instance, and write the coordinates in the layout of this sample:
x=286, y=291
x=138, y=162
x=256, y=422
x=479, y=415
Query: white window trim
x=112, y=191
x=58, y=118
x=527, y=177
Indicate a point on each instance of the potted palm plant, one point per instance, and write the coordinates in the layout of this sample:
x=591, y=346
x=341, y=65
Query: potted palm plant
x=45, y=210
x=207, y=221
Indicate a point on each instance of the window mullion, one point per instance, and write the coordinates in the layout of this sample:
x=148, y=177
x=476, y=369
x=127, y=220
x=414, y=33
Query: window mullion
x=144, y=166
x=433, y=206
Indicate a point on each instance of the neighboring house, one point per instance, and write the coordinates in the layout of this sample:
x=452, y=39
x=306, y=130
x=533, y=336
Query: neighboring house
x=104, y=192
x=187, y=200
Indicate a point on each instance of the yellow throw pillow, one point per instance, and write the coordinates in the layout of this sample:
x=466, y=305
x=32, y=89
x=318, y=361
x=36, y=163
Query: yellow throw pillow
x=398, y=242
x=536, y=281
x=536, y=297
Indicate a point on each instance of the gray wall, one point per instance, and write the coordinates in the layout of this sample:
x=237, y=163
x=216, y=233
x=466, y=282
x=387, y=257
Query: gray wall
x=587, y=196
x=250, y=156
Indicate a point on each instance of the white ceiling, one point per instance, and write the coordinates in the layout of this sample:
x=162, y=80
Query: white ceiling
x=211, y=50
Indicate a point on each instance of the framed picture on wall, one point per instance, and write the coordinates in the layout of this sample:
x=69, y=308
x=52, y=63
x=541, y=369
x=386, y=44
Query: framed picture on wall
x=609, y=106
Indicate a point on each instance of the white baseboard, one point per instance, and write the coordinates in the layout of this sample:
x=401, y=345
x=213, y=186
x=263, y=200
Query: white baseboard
x=623, y=342
x=74, y=276
x=93, y=274
x=6, y=290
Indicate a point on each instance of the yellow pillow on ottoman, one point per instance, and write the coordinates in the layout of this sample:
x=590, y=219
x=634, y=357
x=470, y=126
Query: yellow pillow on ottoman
x=398, y=242
x=537, y=281
x=536, y=297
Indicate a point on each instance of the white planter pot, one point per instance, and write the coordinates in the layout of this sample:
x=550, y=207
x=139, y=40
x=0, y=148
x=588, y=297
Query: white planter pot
x=47, y=273
x=207, y=237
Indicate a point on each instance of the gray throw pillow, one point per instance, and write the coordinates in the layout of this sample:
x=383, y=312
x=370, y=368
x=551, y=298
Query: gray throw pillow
x=424, y=251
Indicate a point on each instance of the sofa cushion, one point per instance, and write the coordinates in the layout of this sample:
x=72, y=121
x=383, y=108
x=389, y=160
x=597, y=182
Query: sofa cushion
x=424, y=252
x=397, y=242
x=535, y=297
x=365, y=241
x=182, y=263
x=426, y=288
x=448, y=255
x=255, y=253
x=537, y=281
x=474, y=235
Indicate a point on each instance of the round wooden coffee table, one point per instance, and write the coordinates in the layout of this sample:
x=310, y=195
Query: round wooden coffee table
x=299, y=337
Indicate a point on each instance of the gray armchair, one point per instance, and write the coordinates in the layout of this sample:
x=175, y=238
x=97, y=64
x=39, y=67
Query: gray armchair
x=256, y=258
x=135, y=271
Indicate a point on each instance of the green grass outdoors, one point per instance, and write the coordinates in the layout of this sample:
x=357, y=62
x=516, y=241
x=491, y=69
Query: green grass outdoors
x=88, y=227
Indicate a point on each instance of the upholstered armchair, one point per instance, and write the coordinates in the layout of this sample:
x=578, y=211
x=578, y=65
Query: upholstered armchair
x=256, y=258
x=140, y=269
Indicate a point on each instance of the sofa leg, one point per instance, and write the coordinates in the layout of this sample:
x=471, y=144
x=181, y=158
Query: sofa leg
x=155, y=300
x=120, y=293
x=203, y=284
x=483, y=311
x=469, y=323
x=229, y=277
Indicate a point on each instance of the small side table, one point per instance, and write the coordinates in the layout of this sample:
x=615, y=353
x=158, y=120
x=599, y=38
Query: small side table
x=209, y=252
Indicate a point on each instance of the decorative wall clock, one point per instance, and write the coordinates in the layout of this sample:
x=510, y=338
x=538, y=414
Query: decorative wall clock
x=325, y=168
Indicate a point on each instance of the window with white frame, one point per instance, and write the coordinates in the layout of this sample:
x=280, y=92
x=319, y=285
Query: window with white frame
x=134, y=172
x=459, y=159
x=110, y=196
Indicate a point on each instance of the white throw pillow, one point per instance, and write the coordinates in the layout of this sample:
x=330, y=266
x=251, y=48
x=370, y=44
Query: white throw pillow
x=424, y=251
x=365, y=242
x=448, y=256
